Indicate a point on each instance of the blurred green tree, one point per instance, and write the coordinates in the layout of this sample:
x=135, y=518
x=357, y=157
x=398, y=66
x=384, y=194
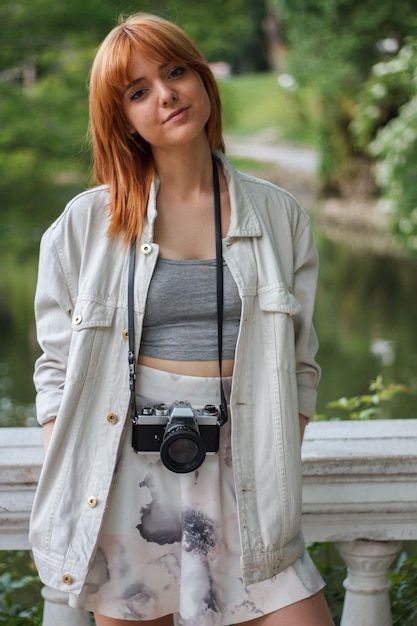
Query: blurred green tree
x=332, y=46
x=385, y=125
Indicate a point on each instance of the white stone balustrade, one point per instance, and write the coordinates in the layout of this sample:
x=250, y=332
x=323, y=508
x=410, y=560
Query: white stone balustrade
x=359, y=491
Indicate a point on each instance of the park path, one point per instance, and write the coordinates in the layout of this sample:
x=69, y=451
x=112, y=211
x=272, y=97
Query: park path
x=263, y=146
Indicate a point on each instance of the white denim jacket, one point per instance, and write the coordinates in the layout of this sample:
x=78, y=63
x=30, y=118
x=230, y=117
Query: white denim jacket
x=82, y=375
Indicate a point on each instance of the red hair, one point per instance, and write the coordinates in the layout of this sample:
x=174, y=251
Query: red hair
x=121, y=161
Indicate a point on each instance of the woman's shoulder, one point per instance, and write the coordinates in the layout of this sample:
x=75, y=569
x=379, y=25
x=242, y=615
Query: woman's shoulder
x=83, y=222
x=269, y=201
x=86, y=203
x=262, y=189
x=86, y=210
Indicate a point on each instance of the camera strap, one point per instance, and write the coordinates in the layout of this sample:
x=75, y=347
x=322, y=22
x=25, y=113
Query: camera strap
x=219, y=280
x=220, y=291
x=131, y=330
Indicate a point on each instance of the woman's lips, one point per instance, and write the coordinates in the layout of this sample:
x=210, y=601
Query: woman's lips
x=178, y=113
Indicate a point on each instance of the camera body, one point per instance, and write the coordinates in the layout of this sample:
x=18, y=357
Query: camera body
x=182, y=434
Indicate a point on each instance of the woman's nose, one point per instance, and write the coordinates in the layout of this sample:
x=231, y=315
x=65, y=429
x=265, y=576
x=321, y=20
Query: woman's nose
x=167, y=95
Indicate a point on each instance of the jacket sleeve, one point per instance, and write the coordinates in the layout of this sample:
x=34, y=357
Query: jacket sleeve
x=306, y=344
x=53, y=311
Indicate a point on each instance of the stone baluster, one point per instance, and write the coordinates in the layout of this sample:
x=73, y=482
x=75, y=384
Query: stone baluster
x=367, y=585
x=57, y=612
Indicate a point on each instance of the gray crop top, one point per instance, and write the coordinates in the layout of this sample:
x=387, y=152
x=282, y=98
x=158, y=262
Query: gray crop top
x=180, y=320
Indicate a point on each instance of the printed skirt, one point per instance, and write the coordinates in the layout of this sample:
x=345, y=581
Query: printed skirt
x=169, y=542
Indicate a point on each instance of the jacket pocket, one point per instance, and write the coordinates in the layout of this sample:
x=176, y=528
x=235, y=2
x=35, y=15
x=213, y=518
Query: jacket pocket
x=278, y=308
x=278, y=299
x=91, y=322
x=91, y=314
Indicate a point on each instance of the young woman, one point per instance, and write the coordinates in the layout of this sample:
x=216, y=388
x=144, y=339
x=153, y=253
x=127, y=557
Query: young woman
x=181, y=509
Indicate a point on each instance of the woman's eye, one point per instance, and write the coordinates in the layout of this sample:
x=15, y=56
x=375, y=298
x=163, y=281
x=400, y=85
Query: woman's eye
x=137, y=95
x=178, y=71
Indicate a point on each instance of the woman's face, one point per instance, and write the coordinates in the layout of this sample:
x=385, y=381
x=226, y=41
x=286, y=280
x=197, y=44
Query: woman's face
x=166, y=103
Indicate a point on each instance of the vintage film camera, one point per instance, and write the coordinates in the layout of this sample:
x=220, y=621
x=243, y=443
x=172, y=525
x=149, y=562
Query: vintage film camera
x=183, y=435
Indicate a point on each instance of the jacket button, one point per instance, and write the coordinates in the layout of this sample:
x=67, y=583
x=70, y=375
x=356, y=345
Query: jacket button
x=92, y=501
x=77, y=319
x=67, y=579
x=112, y=418
x=125, y=333
x=146, y=248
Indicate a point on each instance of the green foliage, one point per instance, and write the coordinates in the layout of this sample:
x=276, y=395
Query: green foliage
x=41, y=148
x=394, y=146
x=333, y=570
x=374, y=405
x=389, y=87
x=18, y=345
x=385, y=125
x=20, y=600
x=334, y=145
x=17, y=289
x=403, y=591
x=225, y=30
x=333, y=46
x=403, y=596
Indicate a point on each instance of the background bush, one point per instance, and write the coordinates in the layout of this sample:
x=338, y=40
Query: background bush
x=20, y=599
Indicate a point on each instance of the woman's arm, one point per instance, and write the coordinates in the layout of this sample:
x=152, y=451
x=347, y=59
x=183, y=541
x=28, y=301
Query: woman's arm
x=306, y=345
x=303, y=423
x=53, y=310
x=48, y=427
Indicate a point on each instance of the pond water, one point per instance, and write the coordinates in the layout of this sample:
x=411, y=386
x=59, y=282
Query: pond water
x=366, y=314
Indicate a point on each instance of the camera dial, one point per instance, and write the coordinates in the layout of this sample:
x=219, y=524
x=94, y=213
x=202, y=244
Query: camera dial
x=161, y=409
x=210, y=409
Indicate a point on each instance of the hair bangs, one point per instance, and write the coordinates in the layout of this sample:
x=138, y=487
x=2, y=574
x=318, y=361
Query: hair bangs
x=163, y=45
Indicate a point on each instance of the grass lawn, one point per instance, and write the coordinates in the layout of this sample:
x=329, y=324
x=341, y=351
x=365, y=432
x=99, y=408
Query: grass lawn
x=255, y=102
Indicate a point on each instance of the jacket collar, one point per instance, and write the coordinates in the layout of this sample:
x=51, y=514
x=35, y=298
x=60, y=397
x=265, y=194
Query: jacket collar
x=243, y=219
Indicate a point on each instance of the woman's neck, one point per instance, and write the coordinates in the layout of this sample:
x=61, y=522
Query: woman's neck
x=185, y=171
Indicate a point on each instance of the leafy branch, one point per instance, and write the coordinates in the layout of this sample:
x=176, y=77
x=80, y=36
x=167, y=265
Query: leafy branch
x=373, y=405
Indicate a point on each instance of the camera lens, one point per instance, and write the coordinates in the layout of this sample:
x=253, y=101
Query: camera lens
x=182, y=449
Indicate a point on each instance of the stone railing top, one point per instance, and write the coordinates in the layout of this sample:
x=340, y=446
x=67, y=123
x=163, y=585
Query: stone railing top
x=374, y=446
x=359, y=481
x=376, y=441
